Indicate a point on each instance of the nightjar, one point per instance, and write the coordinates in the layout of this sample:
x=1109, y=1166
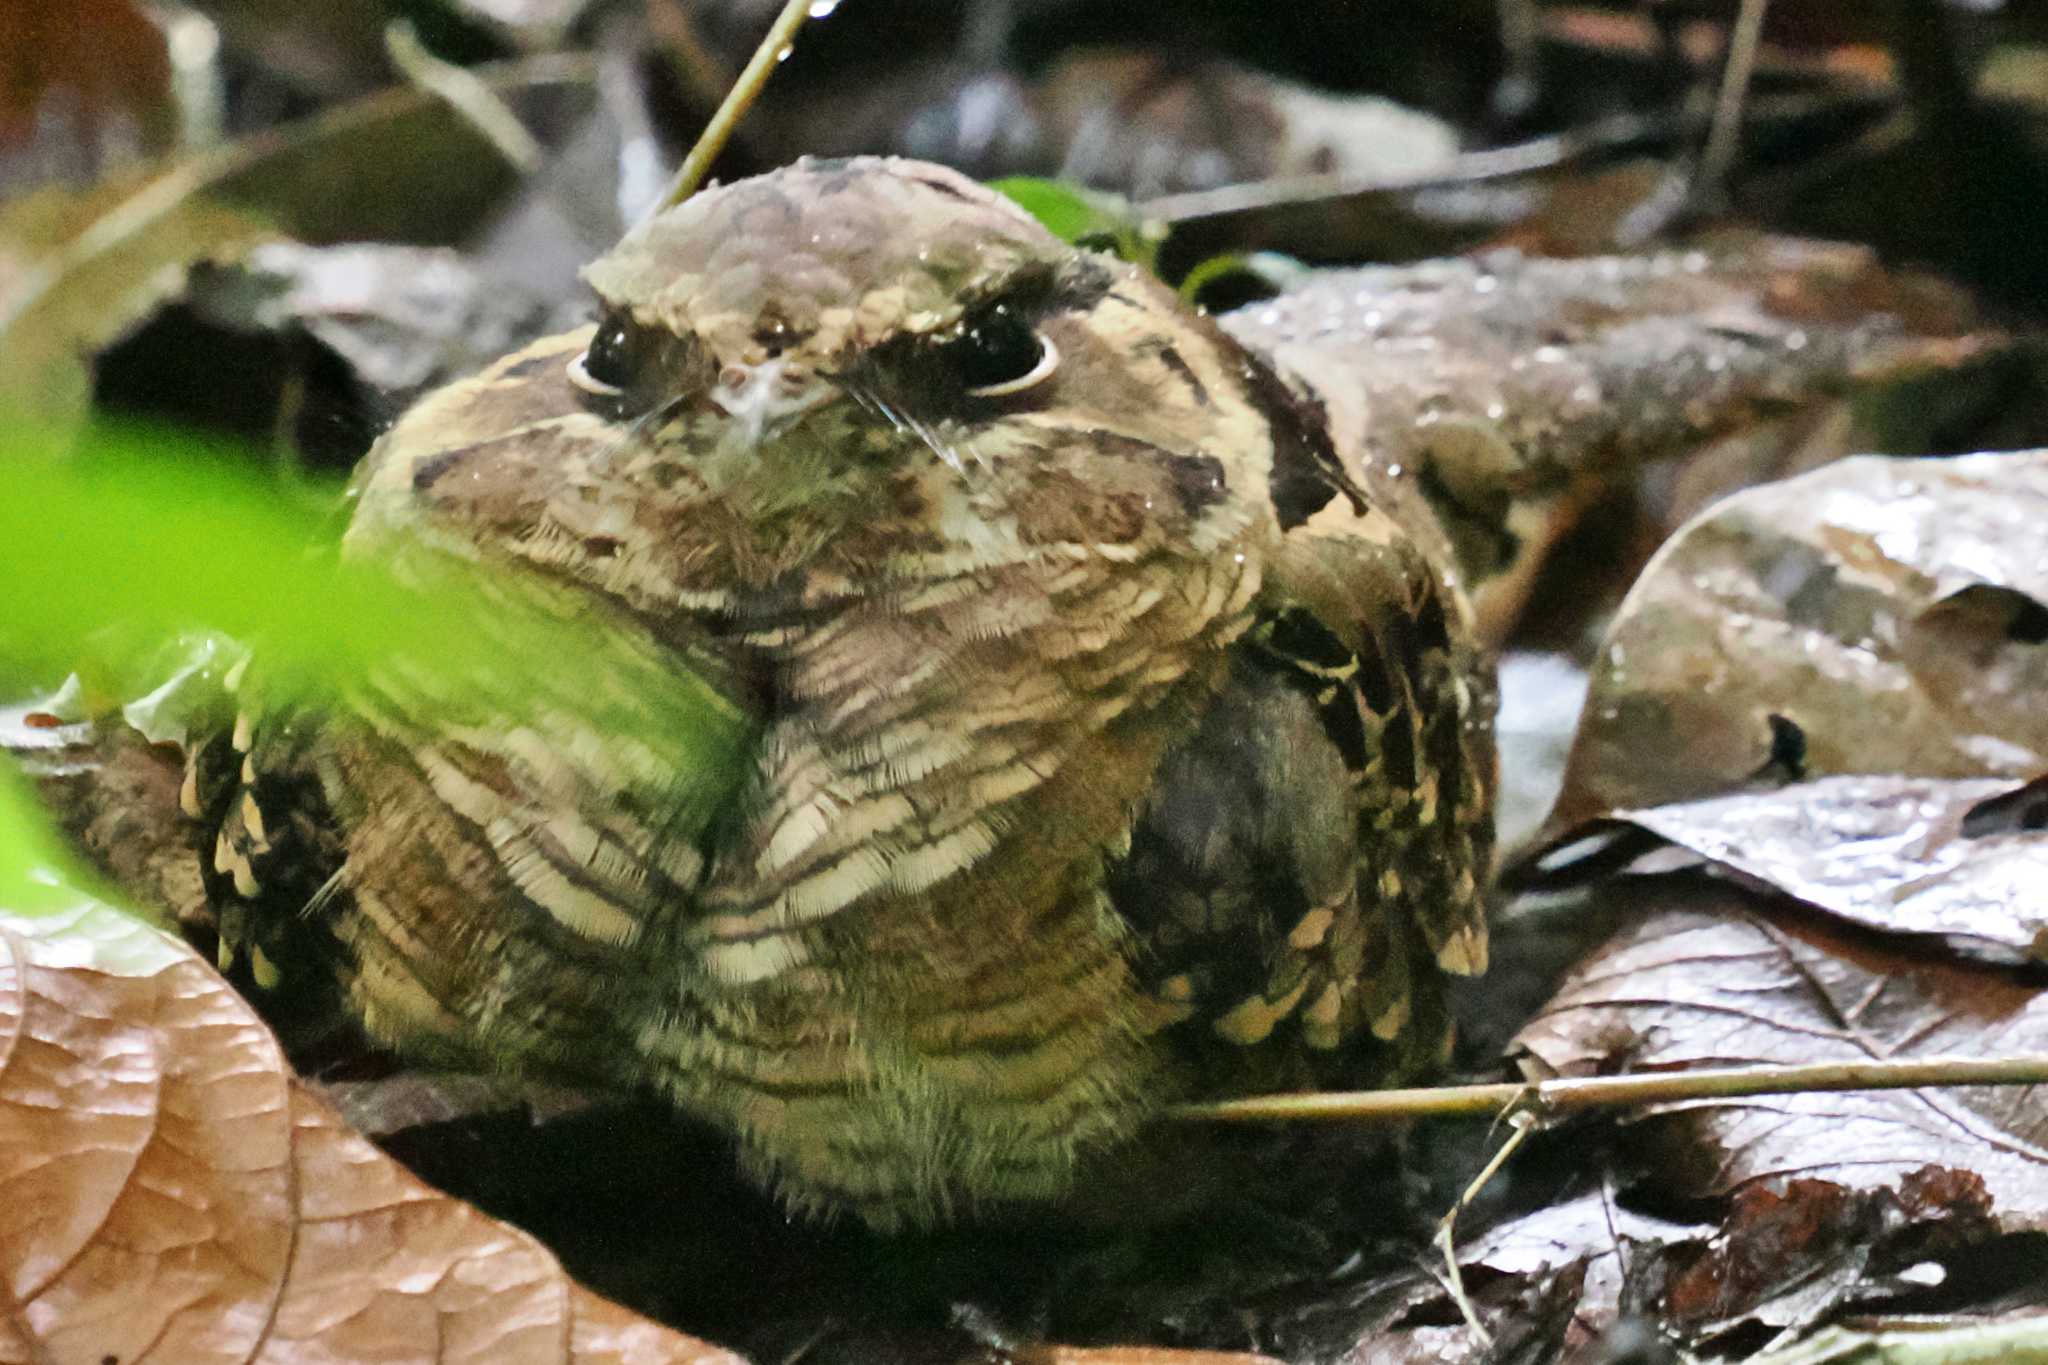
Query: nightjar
x=1092, y=731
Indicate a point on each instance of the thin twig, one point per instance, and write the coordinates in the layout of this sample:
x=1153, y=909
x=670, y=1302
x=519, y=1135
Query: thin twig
x=1525, y=158
x=1603, y=1092
x=1736, y=71
x=696, y=67
x=774, y=47
x=192, y=43
x=1521, y=41
x=1524, y=1123
x=464, y=92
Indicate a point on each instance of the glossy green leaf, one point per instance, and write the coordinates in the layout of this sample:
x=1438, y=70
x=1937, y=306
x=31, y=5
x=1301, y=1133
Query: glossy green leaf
x=1087, y=218
x=121, y=559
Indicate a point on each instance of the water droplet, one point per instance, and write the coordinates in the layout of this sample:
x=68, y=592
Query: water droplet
x=822, y=9
x=1795, y=340
x=1393, y=471
x=783, y=55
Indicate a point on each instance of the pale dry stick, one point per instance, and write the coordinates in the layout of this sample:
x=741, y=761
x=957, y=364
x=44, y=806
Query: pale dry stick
x=1524, y=1123
x=461, y=90
x=774, y=47
x=198, y=90
x=1550, y=1098
x=1521, y=40
x=1499, y=163
x=1736, y=71
x=695, y=66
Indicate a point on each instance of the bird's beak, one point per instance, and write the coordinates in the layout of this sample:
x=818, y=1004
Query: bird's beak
x=762, y=400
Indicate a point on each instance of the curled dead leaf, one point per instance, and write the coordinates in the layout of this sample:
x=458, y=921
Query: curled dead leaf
x=1890, y=610
x=170, y=1192
x=1702, y=979
x=78, y=270
x=1897, y=855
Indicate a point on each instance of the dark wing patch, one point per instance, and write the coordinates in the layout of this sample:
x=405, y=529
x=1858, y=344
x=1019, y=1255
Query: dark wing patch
x=1307, y=472
x=1311, y=860
x=268, y=850
x=1239, y=883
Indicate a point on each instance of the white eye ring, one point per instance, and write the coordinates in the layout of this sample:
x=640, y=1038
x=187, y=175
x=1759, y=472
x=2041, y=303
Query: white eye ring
x=1048, y=361
x=581, y=378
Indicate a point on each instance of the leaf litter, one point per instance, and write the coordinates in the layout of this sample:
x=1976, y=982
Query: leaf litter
x=1873, y=861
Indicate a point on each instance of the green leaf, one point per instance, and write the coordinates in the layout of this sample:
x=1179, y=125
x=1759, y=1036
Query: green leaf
x=1087, y=218
x=1271, y=271
x=40, y=882
x=127, y=562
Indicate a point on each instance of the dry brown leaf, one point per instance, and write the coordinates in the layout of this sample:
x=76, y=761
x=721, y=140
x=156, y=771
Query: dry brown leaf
x=169, y=1192
x=60, y=304
x=104, y=54
x=1689, y=987
x=1892, y=610
x=1821, y=1201
x=1598, y=1243
x=1146, y=124
x=327, y=344
x=77, y=270
x=1137, y=121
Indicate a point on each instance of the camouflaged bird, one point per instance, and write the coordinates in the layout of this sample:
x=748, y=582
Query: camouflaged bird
x=1094, y=729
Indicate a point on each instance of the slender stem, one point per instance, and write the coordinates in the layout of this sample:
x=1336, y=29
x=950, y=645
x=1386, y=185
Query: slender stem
x=697, y=68
x=1446, y=1239
x=464, y=92
x=738, y=100
x=1740, y=64
x=1602, y=1092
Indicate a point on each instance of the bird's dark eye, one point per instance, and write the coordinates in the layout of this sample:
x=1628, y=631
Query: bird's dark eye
x=622, y=366
x=997, y=352
x=607, y=362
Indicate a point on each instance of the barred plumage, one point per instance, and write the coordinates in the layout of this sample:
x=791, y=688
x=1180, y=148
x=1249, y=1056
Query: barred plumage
x=1105, y=741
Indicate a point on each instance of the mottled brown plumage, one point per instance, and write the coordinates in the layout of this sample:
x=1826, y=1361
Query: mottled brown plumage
x=1107, y=742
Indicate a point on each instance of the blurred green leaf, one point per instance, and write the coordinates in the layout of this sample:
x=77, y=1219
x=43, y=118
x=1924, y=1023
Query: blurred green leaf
x=42, y=883
x=35, y=870
x=1087, y=218
x=119, y=559
x=1270, y=272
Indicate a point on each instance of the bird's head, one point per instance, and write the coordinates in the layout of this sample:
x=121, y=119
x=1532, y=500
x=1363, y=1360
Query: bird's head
x=848, y=372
